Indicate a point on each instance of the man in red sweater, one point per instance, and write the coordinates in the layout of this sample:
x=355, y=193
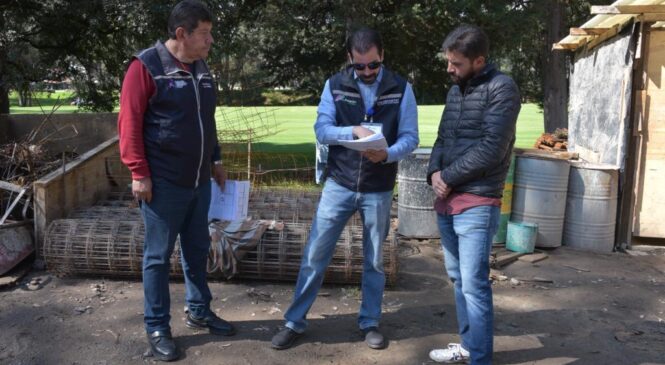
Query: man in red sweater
x=168, y=140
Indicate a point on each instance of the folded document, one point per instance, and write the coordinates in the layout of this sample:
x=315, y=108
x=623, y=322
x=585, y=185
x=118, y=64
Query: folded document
x=372, y=142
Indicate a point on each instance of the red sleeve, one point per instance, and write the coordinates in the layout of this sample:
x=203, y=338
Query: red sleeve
x=137, y=89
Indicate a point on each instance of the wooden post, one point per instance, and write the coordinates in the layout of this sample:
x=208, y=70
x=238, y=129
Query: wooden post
x=249, y=154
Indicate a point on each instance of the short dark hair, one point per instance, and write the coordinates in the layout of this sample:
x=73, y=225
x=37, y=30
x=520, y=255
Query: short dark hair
x=469, y=40
x=188, y=14
x=363, y=39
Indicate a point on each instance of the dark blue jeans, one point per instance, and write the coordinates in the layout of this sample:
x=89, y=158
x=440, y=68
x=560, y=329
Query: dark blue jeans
x=467, y=243
x=175, y=210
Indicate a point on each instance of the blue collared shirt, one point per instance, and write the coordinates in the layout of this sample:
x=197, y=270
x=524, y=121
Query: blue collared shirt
x=407, y=131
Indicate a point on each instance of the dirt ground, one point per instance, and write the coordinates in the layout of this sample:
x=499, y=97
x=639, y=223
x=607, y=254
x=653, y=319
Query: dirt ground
x=599, y=309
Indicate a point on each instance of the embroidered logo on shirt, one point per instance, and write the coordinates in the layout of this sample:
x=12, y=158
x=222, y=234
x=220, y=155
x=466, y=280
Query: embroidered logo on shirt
x=344, y=99
x=387, y=101
x=179, y=84
x=206, y=85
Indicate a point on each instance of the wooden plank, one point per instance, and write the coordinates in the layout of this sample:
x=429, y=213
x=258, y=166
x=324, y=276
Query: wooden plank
x=78, y=184
x=610, y=33
x=504, y=260
x=533, y=258
x=649, y=214
x=563, y=47
x=652, y=17
x=572, y=42
x=535, y=279
x=10, y=187
x=627, y=9
x=588, y=31
x=626, y=202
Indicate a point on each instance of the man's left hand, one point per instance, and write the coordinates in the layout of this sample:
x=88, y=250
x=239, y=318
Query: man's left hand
x=376, y=156
x=441, y=189
x=219, y=174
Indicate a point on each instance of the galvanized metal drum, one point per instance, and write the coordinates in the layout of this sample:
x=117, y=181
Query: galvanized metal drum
x=539, y=196
x=415, y=201
x=506, y=204
x=591, y=207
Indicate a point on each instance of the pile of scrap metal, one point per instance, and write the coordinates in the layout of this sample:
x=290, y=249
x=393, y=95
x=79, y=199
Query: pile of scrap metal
x=21, y=163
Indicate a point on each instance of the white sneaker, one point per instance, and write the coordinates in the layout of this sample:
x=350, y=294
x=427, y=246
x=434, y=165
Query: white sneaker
x=454, y=354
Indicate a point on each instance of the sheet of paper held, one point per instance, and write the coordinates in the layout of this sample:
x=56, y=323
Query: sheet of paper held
x=375, y=141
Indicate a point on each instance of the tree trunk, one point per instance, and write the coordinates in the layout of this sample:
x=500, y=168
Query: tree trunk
x=4, y=100
x=24, y=96
x=555, y=81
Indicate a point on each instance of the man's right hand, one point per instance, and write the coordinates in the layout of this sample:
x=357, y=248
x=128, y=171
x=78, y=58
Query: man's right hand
x=142, y=189
x=440, y=188
x=361, y=132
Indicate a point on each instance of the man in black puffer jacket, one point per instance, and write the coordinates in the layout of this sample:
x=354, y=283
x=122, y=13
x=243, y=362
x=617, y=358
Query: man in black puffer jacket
x=467, y=170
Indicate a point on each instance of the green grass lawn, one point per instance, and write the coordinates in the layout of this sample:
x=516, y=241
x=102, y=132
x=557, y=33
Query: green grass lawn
x=295, y=123
x=297, y=135
x=46, y=101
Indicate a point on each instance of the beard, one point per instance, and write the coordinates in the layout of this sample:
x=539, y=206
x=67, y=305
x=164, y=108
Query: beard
x=460, y=80
x=368, y=79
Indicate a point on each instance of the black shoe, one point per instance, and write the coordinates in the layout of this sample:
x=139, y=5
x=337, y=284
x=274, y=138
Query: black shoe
x=212, y=323
x=162, y=346
x=374, y=339
x=285, y=339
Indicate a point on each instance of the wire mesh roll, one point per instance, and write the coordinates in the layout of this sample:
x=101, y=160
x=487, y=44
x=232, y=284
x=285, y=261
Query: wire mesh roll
x=107, y=212
x=101, y=247
x=278, y=256
x=291, y=206
x=115, y=248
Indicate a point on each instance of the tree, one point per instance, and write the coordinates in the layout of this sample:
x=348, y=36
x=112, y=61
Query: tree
x=285, y=43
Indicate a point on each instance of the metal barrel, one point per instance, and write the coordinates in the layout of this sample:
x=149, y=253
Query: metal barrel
x=539, y=196
x=591, y=207
x=506, y=204
x=415, y=200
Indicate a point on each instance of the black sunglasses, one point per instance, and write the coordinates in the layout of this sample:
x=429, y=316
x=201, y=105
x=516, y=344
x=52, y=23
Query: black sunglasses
x=372, y=65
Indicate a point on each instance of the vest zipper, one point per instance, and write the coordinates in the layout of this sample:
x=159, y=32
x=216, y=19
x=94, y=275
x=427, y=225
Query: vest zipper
x=198, y=109
x=360, y=165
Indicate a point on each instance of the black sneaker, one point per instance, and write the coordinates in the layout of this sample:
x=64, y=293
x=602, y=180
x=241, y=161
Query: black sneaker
x=285, y=339
x=212, y=323
x=162, y=346
x=374, y=339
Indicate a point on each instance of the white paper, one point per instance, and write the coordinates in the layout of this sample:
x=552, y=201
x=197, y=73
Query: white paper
x=375, y=141
x=230, y=204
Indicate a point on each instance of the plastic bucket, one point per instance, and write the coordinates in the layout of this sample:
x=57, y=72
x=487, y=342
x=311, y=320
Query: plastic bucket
x=521, y=236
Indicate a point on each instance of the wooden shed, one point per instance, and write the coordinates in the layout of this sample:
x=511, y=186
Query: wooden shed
x=616, y=109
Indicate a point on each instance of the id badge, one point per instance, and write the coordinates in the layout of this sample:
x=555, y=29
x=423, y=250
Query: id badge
x=374, y=127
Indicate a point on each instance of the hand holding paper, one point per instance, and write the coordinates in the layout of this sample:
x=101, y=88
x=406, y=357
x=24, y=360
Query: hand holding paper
x=372, y=142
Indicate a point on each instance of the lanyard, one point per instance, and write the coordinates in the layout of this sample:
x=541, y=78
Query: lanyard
x=369, y=115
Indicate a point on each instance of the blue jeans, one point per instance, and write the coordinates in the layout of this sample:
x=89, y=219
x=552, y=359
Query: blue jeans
x=467, y=244
x=337, y=205
x=175, y=210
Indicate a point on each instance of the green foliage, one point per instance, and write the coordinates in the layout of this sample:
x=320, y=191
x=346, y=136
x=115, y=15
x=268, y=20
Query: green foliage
x=264, y=44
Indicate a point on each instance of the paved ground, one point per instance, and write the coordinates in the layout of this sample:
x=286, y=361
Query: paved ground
x=600, y=309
